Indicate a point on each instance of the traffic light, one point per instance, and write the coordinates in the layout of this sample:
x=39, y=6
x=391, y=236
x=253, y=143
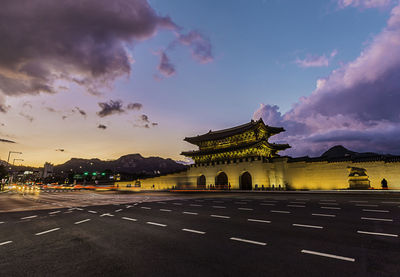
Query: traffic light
x=103, y=174
x=86, y=173
x=94, y=173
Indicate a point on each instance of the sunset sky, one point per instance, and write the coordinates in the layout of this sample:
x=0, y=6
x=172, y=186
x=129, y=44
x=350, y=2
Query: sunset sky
x=101, y=79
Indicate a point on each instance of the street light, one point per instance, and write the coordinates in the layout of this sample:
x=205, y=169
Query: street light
x=12, y=152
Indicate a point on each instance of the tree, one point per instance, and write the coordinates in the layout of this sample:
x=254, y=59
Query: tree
x=384, y=184
x=3, y=172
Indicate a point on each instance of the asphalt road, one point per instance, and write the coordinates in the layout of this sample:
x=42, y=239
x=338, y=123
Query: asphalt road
x=232, y=234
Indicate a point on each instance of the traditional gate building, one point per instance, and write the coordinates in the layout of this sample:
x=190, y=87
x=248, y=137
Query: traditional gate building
x=242, y=158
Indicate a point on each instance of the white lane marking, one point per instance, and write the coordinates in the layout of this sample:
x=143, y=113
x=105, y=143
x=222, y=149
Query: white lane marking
x=48, y=231
x=146, y=208
x=29, y=217
x=55, y=212
x=328, y=255
x=358, y=201
x=106, y=214
x=267, y=204
x=296, y=206
x=177, y=203
x=366, y=205
x=93, y=212
x=194, y=231
x=68, y=212
x=281, y=212
x=377, y=211
x=390, y=202
x=165, y=210
x=377, y=234
x=219, y=207
x=240, y=203
x=128, y=218
x=327, y=203
x=377, y=219
x=82, y=221
x=161, y=203
x=191, y=213
x=297, y=202
x=117, y=211
x=258, y=220
x=331, y=208
x=327, y=200
x=307, y=226
x=327, y=215
x=80, y=209
x=6, y=242
x=128, y=206
x=246, y=209
x=249, y=241
x=156, y=224
x=1, y=222
x=195, y=205
x=220, y=216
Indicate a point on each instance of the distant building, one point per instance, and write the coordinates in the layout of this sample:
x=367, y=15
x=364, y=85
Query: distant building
x=242, y=158
x=47, y=170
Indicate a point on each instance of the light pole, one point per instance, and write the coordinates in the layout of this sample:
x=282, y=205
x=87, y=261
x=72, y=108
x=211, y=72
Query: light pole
x=12, y=152
x=12, y=177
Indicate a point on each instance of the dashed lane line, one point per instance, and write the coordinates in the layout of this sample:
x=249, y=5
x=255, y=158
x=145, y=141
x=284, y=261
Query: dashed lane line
x=179, y=204
x=377, y=234
x=55, y=212
x=296, y=206
x=29, y=217
x=82, y=221
x=390, y=202
x=377, y=219
x=376, y=211
x=194, y=231
x=48, y=231
x=307, y=226
x=191, y=213
x=1, y=222
x=92, y=212
x=328, y=203
x=297, y=202
x=220, y=216
x=248, y=241
x=267, y=204
x=156, y=224
x=246, y=209
x=331, y=208
x=327, y=215
x=165, y=210
x=258, y=220
x=117, y=211
x=219, y=207
x=146, y=208
x=128, y=218
x=5, y=242
x=366, y=205
x=327, y=255
x=280, y=212
x=358, y=201
x=195, y=205
x=106, y=214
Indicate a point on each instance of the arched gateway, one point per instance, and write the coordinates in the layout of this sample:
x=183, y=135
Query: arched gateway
x=221, y=181
x=201, y=182
x=245, y=181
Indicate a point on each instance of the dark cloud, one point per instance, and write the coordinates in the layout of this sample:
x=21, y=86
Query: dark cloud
x=50, y=109
x=27, y=116
x=112, y=107
x=43, y=41
x=165, y=67
x=101, y=126
x=80, y=111
x=4, y=108
x=6, y=141
x=134, y=106
x=64, y=117
x=356, y=105
x=200, y=46
x=154, y=124
x=60, y=150
x=144, y=118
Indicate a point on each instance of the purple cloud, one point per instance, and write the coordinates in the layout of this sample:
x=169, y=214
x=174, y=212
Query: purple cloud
x=101, y=126
x=356, y=105
x=78, y=41
x=165, y=67
x=110, y=108
x=364, y=3
x=315, y=60
x=200, y=46
x=6, y=141
x=134, y=106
